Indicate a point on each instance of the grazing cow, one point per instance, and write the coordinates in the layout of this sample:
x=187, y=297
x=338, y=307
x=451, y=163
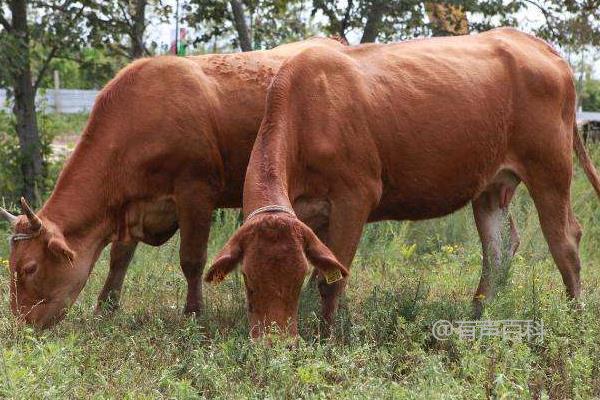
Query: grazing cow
x=412, y=130
x=168, y=140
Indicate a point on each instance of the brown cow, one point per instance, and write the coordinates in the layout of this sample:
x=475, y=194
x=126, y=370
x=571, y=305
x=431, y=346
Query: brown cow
x=168, y=140
x=412, y=130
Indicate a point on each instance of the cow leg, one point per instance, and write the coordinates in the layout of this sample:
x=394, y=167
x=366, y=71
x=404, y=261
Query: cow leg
x=316, y=216
x=491, y=216
x=194, y=212
x=561, y=229
x=343, y=235
x=120, y=257
x=515, y=240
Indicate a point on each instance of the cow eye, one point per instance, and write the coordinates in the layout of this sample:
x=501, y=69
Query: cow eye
x=30, y=268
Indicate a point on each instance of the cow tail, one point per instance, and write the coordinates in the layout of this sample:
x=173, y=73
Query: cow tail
x=585, y=161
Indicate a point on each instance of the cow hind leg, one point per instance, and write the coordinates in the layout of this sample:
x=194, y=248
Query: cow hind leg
x=499, y=240
x=515, y=240
x=121, y=255
x=559, y=226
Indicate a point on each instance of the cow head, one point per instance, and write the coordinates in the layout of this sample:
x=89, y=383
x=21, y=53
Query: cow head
x=44, y=270
x=274, y=249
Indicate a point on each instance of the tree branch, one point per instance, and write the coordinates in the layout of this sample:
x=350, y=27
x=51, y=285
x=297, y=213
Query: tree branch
x=125, y=17
x=5, y=24
x=59, y=8
x=346, y=21
x=45, y=66
x=54, y=50
x=547, y=16
x=330, y=14
x=120, y=49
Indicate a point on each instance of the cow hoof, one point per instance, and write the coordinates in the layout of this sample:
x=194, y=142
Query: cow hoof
x=192, y=311
x=477, y=309
x=106, y=308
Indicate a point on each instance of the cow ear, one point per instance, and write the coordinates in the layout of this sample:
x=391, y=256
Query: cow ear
x=322, y=258
x=225, y=261
x=59, y=247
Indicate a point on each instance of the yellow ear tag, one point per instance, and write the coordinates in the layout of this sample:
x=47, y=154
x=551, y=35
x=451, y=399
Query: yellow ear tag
x=332, y=276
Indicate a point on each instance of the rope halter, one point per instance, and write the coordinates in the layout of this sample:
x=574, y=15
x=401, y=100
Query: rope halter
x=271, y=208
x=17, y=237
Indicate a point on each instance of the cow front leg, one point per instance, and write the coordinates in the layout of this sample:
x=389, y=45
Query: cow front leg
x=121, y=255
x=194, y=210
x=342, y=236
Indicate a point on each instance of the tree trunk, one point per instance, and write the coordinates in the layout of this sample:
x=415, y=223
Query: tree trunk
x=343, y=24
x=239, y=20
x=373, y=22
x=24, y=107
x=138, y=17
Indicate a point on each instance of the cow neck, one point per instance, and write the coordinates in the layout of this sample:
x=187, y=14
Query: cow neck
x=269, y=176
x=78, y=203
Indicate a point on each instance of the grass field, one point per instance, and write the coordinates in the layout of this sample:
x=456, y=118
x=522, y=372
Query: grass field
x=405, y=277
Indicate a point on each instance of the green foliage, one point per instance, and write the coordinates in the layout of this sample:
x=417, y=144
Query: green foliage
x=31, y=38
x=591, y=95
x=405, y=277
x=55, y=27
x=279, y=21
x=271, y=22
x=119, y=26
x=572, y=24
x=50, y=126
x=91, y=68
x=402, y=20
x=398, y=19
x=10, y=175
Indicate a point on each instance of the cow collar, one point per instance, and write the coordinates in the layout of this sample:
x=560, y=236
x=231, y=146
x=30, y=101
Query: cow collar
x=270, y=208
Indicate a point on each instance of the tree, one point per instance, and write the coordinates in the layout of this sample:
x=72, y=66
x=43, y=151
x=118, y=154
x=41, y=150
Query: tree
x=249, y=24
x=32, y=34
x=569, y=23
x=405, y=19
x=136, y=25
x=88, y=68
x=121, y=25
x=239, y=19
x=374, y=16
x=378, y=19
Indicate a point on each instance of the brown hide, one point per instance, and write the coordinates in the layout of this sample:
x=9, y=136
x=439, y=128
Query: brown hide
x=167, y=141
x=412, y=130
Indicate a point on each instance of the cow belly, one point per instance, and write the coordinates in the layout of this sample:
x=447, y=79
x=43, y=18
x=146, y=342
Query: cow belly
x=435, y=193
x=152, y=222
x=420, y=204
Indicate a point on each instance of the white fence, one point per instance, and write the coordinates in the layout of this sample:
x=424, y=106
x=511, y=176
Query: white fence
x=68, y=101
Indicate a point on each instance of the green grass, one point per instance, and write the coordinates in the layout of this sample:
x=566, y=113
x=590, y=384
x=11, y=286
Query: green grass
x=405, y=277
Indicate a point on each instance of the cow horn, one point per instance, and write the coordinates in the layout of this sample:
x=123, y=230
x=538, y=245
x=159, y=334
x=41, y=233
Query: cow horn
x=34, y=220
x=8, y=216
